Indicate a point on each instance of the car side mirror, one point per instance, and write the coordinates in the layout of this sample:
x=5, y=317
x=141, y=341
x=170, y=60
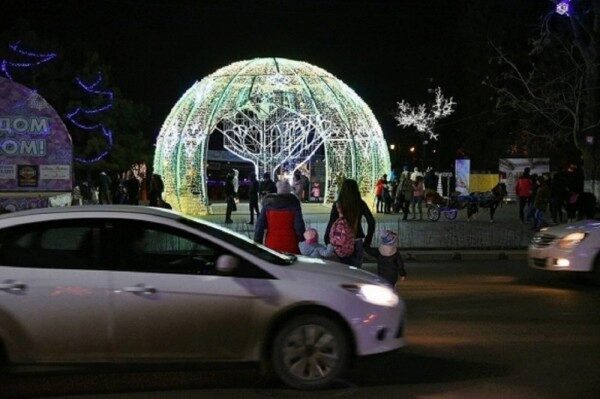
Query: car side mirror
x=227, y=264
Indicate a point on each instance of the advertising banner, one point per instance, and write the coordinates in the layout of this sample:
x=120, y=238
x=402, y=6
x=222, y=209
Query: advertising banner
x=462, y=169
x=8, y=172
x=36, y=151
x=28, y=175
x=511, y=168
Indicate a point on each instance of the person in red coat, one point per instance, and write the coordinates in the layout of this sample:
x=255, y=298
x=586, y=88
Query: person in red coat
x=379, y=186
x=524, y=190
x=280, y=224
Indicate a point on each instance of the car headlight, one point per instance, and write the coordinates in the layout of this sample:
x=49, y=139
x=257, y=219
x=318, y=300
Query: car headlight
x=375, y=294
x=571, y=240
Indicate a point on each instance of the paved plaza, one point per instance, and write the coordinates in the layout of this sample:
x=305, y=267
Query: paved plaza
x=507, y=232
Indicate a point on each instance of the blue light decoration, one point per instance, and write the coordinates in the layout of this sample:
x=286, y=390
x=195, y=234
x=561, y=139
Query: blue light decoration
x=563, y=7
x=35, y=59
x=75, y=116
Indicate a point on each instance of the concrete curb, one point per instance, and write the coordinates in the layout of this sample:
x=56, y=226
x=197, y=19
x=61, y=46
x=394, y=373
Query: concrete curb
x=468, y=255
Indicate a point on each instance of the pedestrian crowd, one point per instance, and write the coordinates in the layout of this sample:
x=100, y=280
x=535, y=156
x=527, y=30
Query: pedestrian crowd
x=405, y=194
x=562, y=194
x=279, y=223
x=120, y=188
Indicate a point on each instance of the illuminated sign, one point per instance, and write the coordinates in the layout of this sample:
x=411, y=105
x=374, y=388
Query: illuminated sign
x=36, y=152
x=32, y=125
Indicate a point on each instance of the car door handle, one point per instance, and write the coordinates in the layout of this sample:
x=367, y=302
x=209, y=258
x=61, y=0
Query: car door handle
x=141, y=289
x=13, y=286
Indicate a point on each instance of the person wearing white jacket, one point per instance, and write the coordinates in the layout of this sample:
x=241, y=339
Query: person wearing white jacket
x=236, y=181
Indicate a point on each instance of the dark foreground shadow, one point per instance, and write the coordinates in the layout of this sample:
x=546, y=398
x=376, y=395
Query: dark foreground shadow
x=410, y=368
x=567, y=280
x=382, y=370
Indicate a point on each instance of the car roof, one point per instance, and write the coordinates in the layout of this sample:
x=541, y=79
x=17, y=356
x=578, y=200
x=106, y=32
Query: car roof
x=142, y=210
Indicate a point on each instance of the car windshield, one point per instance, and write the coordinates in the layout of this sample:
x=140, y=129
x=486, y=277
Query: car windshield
x=240, y=241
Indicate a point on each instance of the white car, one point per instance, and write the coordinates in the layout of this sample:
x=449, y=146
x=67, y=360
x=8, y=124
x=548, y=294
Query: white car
x=134, y=284
x=571, y=247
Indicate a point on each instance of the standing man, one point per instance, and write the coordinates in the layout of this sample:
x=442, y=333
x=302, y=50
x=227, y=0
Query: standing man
x=298, y=185
x=559, y=195
x=524, y=190
x=104, y=183
x=267, y=186
x=430, y=181
x=253, y=196
x=132, y=185
x=236, y=181
x=230, y=198
x=416, y=173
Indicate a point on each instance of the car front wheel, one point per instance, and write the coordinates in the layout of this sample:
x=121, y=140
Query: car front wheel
x=309, y=352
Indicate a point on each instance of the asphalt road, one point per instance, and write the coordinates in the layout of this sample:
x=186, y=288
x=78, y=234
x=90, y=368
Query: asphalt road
x=476, y=330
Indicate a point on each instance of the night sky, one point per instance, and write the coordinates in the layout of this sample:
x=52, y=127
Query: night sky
x=384, y=50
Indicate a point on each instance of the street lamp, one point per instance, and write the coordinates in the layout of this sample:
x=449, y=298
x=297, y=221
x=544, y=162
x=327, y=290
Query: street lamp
x=393, y=156
x=412, y=149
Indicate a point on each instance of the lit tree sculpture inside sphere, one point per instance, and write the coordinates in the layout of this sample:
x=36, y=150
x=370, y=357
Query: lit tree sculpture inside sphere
x=271, y=111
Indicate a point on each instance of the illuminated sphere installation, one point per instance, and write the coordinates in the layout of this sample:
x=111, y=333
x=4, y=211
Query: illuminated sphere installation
x=275, y=113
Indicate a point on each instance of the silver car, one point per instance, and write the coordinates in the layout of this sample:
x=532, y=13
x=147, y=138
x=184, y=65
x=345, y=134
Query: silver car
x=573, y=247
x=132, y=284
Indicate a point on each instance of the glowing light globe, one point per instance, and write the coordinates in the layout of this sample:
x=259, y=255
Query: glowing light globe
x=562, y=7
x=275, y=113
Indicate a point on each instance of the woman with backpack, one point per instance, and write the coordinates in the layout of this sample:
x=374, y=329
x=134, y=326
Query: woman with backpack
x=344, y=230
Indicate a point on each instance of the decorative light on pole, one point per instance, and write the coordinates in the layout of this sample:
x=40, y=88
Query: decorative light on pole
x=424, y=117
x=392, y=147
x=563, y=7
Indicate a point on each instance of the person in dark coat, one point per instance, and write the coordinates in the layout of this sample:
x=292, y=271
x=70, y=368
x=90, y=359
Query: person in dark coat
x=156, y=190
x=540, y=203
x=104, y=183
x=431, y=181
x=405, y=193
x=115, y=188
x=354, y=209
x=575, y=179
x=230, y=198
x=267, y=186
x=132, y=185
x=387, y=198
x=253, y=197
x=390, y=265
x=280, y=224
x=558, y=196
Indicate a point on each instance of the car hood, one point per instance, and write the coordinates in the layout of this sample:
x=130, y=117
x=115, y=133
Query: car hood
x=585, y=226
x=322, y=270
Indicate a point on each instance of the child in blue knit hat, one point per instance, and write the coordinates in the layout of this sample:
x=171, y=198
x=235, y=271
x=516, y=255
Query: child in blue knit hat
x=390, y=265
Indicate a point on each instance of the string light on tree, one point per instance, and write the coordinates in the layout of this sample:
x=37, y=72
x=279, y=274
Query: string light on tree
x=34, y=59
x=424, y=117
x=84, y=117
